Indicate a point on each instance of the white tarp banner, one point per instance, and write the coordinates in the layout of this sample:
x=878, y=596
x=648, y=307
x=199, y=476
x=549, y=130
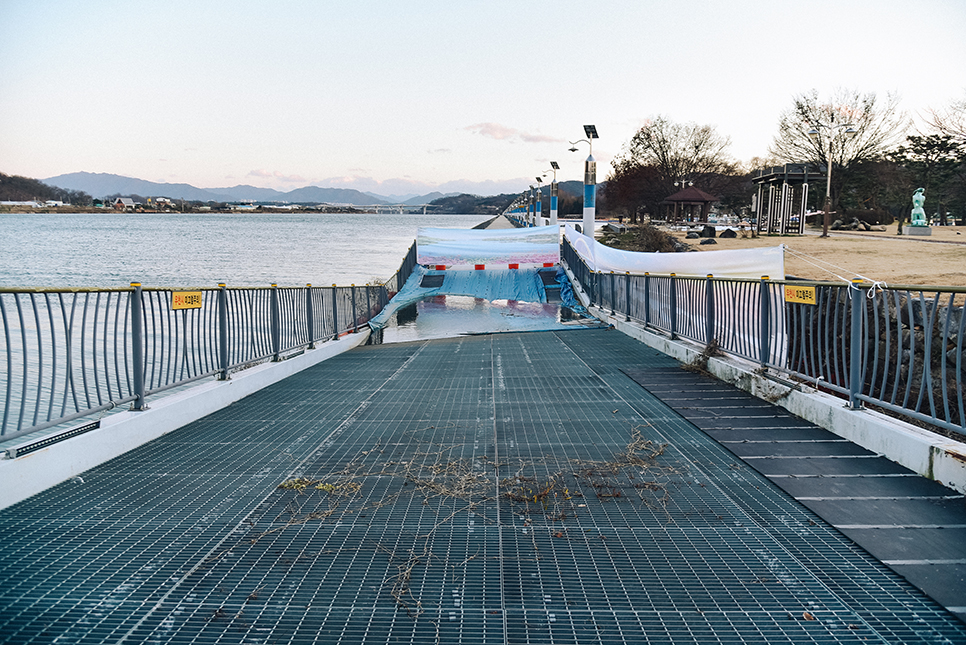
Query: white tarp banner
x=744, y=263
x=455, y=247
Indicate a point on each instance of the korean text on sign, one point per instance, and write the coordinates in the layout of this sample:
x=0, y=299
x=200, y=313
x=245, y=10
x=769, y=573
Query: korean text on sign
x=186, y=300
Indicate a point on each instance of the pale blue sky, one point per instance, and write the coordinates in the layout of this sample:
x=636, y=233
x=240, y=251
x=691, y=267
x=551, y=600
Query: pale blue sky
x=408, y=96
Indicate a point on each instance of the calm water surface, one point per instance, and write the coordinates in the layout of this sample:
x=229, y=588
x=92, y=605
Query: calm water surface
x=290, y=249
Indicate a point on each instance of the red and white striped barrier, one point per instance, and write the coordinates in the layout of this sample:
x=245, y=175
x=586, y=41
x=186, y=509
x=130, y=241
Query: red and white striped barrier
x=483, y=267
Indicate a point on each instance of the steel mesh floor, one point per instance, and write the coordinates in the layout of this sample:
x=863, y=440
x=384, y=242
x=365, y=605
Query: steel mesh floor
x=514, y=488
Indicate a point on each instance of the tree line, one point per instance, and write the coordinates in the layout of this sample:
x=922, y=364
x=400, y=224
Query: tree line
x=877, y=159
x=15, y=188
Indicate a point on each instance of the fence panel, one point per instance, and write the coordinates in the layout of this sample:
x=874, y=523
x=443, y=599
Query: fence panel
x=66, y=353
x=902, y=349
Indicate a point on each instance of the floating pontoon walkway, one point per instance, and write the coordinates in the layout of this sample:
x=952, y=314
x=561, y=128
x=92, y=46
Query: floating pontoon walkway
x=510, y=488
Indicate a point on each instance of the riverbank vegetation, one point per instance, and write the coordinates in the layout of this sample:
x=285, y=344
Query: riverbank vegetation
x=877, y=159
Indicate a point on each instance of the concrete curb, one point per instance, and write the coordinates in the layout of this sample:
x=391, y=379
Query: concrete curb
x=25, y=476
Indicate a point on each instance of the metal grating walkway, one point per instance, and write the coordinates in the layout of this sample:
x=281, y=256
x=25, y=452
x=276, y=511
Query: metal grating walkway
x=511, y=488
x=915, y=526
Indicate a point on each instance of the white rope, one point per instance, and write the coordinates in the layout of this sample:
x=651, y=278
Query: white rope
x=877, y=285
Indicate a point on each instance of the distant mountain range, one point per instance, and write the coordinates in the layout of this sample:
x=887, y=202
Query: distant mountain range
x=100, y=185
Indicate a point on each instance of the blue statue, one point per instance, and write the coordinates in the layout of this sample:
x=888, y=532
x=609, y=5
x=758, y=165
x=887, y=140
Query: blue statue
x=918, y=215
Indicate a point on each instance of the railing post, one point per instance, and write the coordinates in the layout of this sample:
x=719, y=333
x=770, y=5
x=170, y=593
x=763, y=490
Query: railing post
x=223, y=330
x=310, y=319
x=613, y=295
x=137, y=346
x=709, y=310
x=335, y=315
x=764, y=315
x=855, y=346
x=627, y=298
x=276, y=332
x=355, y=313
x=368, y=303
x=674, y=306
x=647, y=298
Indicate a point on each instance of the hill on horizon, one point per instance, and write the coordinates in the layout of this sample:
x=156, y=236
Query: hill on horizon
x=101, y=185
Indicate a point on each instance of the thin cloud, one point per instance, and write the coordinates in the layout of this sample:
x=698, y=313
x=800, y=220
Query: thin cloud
x=504, y=133
x=289, y=179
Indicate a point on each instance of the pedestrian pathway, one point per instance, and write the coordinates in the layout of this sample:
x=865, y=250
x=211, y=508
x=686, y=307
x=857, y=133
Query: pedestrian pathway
x=484, y=489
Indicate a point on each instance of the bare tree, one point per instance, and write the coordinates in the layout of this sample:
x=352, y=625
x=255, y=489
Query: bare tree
x=663, y=152
x=950, y=121
x=876, y=126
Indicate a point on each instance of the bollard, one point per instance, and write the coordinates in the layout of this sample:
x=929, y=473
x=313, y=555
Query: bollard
x=764, y=313
x=709, y=310
x=627, y=297
x=613, y=295
x=855, y=345
x=368, y=303
x=335, y=315
x=137, y=347
x=647, y=298
x=223, y=331
x=310, y=320
x=355, y=313
x=674, y=306
x=275, y=332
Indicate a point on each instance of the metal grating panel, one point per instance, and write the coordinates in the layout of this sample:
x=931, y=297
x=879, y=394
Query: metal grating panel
x=500, y=489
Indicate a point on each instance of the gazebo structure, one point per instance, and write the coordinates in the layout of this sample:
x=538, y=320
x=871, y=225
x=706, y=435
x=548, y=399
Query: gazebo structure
x=782, y=198
x=689, y=204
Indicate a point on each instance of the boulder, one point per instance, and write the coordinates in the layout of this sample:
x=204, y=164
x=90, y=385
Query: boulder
x=708, y=231
x=728, y=233
x=709, y=240
x=692, y=235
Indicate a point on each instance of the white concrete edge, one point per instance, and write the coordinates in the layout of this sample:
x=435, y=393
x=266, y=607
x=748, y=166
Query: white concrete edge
x=926, y=453
x=26, y=476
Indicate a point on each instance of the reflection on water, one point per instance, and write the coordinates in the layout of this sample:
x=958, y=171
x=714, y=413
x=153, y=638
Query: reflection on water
x=448, y=316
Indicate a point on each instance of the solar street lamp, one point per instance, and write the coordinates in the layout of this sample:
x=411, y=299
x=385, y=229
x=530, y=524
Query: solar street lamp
x=825, y=146
x=554, y=167
x=538, y=213
x=590, y=180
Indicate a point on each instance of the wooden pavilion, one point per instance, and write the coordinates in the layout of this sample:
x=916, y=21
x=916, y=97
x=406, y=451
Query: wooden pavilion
x=690, y=204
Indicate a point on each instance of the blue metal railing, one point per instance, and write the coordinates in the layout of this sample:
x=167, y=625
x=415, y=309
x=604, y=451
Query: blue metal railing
x=67, y=353
x=901, y=349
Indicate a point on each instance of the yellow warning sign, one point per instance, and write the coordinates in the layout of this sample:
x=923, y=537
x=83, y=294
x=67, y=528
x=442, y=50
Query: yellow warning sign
x=800, y=293
x=186, y=300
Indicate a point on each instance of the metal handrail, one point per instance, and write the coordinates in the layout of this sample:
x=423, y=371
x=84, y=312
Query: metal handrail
x=67, y=353
x=901, y=348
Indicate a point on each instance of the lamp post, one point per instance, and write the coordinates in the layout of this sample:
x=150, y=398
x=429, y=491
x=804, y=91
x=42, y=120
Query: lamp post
x=825, y=147
x=554, y=167
x=590, y=180
x=538, y=213
x=532, y=207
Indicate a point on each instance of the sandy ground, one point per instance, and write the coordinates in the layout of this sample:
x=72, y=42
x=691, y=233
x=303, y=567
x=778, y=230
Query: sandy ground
x=884, y=256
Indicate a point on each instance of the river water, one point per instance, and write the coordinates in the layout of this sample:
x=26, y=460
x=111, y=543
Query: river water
x=107, y=249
